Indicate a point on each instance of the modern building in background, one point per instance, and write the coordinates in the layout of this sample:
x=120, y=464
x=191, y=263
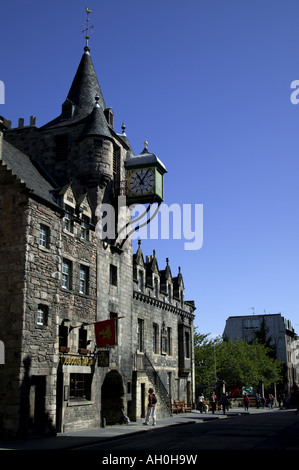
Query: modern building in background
x=281, y=336
x=59, y=279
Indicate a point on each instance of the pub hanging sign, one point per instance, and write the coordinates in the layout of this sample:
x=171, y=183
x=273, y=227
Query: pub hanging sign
x=77, y=360
x=103, y=358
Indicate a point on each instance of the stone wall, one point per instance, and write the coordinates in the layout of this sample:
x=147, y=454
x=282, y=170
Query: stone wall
x=13, y=213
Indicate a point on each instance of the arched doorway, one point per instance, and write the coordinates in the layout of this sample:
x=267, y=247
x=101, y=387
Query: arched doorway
x=112, y=398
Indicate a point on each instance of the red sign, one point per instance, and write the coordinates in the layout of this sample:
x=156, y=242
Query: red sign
x=105, y=333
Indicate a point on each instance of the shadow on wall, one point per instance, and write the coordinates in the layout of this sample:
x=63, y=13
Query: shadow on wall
x=112, y=398
x=33, y=418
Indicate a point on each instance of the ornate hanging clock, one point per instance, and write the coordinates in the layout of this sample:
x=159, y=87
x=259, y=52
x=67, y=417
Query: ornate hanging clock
x=145, y=178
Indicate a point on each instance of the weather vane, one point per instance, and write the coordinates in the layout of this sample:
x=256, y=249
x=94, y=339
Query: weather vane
x=86, y=30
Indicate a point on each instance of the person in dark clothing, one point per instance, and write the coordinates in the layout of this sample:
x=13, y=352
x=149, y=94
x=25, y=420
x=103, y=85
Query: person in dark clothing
x=224, y=403
x=213, y=399
x=151, y=408
x=246, y=402
x=258, y=400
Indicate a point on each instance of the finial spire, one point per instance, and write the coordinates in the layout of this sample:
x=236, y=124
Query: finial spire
x=86, y=30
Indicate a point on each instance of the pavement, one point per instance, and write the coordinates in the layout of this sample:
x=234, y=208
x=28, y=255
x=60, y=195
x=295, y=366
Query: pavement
x=85, y=437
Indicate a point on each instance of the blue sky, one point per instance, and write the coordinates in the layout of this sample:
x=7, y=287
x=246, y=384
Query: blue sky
x=207, y=83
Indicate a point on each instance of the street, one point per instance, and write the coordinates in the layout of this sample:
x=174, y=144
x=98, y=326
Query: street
x=270, y=430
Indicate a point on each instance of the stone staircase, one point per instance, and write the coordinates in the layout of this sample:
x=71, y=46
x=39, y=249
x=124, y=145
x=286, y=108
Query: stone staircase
x=164, y=399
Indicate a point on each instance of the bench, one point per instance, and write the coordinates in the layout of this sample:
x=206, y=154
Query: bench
x=180, y=407
x=172, y=408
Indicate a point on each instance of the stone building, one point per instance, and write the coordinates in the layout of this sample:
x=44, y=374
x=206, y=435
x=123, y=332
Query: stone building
x=280, y=335
x=58, y=278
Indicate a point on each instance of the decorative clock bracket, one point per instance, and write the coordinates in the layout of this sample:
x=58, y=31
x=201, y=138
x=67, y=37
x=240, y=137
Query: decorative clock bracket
x=145, y=185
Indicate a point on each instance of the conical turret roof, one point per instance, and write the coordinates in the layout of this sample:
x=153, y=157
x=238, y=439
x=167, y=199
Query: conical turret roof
x=85, y=87
x=96, y=123
x=81, y=95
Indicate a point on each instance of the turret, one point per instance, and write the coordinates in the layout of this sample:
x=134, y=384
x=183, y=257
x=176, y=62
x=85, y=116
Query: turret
x=95, y=163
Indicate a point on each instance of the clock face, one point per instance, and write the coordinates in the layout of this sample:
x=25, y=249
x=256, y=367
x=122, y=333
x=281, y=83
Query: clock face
x=142, y=181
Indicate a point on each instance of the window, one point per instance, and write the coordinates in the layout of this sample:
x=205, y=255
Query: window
x=155, y=338
x=84, y=275
x=66, y=274
x=140, y=281
x=169, y=342
x=44, y=236
x=68, y=219
x=140, y=335
x=182, y=299
x=165, y=339
x=42, y=315
x=115, y=315
x=156, y=287
x=251, y=323
x=98, y=143
x=187, y=344
x=63, y=336
x=116, y=155
x=82, y=338
x=84, y=232
x=113, y=275
x=169, y=294
x=164, y=344
x=80, y=386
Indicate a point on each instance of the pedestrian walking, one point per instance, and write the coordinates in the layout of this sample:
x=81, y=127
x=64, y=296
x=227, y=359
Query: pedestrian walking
x=258, y=400
x=151, y=407
x=212, y=400
x=246, y=402
x=201, y=400
x=224, y=403
x=270, y=401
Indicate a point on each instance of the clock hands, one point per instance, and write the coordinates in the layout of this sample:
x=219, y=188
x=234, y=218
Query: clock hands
x=142, y=179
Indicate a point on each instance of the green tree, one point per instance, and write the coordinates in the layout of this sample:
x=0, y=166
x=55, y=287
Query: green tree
x=238, y=363
x=205, y=359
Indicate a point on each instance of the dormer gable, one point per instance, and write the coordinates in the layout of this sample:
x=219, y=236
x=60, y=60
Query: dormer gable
x=67, y=197
x=178, y=287
x=152, y=269
x=84, y=206
x=166, y=278
x=138, y=257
